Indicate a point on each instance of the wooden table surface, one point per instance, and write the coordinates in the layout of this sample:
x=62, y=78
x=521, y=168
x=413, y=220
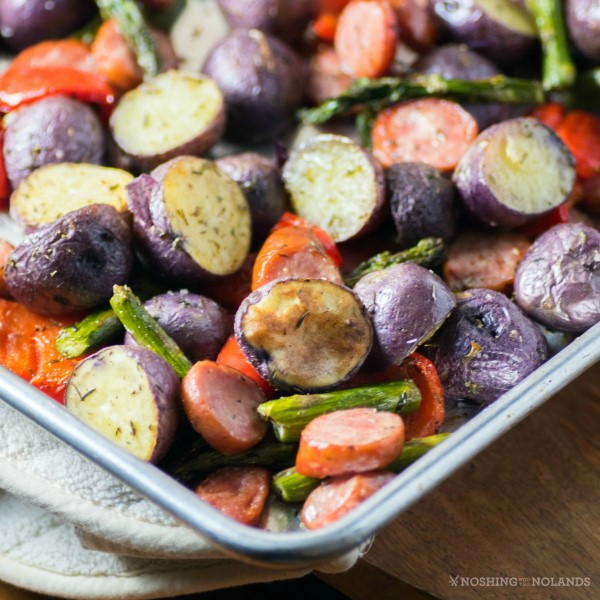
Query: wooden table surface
x=527, y=507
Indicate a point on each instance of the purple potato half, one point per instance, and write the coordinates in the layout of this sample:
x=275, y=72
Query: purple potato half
x=26, y=22
x=457, y=61
x=486, y=347
x=198, y=324
x=407, y=305
x=191, y=221
x=558, y=281
x=304, y=335
x=422, y=202
x=515, y=171
x=261, y=183
x=500, y=29
x=170, y=115
x=129, y=395
x=73, y=263
x=262, y=81
x=286, y=19
x=53, y=130
x=583, y=20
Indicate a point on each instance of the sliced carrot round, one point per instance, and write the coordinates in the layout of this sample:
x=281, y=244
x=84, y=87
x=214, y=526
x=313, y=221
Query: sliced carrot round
x=238, y=492
x=349, y=441
x=366, y=37
x=430, y=130
x=338, y=496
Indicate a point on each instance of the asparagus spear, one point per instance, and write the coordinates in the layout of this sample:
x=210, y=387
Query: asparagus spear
x=291, y=486
x=133, y=28
x=268, y=454
x=92, y=331
x=146, y=331
x=426, y=252
x=291, y=414
x=558, y=68
x=378, y=93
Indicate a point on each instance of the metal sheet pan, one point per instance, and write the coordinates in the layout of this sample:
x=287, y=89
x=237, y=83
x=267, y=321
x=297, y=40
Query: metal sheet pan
x=308, y=548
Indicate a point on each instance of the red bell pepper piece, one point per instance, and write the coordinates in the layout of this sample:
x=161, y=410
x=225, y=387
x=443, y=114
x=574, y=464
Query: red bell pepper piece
x=290, y=219
x=550, y=114
x=580, y=131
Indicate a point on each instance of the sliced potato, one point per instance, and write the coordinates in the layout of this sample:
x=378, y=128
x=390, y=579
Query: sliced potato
x=51, y=192
x=175, y=113
x=207, y=211
x=129, y=395
x=335, y=184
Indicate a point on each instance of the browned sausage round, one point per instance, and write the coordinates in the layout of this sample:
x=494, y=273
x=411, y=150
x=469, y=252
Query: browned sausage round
x=238, y=492
x=485, y=260
x=336, y=497
x=349, y=441
x=221, y=404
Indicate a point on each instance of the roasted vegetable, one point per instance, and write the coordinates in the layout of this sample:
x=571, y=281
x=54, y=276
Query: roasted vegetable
x=422, y=202
x=51, y=192
x=174, y=113
x=515, y=171
x=306, y=335
x=262, y=81
x=558, y=68
x=583, y=19
x=73, y=263
x=427, y=252
x=558, y=281
x=500, y=29
x=53, y=130
x=486, y=347
x=290, y=415
x=191, y=221
x=407, y=305
x=198, y=325
x=335, y=184
x=261, y=183
x=25, y=22
x=146, y=331
x=130, y=396
x=221, y=404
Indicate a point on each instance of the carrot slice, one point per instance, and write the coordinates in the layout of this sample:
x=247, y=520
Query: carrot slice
x=430, y=130
x=238, y=492
x=338, y=496
x=232, y=355
x=366, y=37
x=550, y=114
x=580, y=131
x=349, y=441
x=28, y=348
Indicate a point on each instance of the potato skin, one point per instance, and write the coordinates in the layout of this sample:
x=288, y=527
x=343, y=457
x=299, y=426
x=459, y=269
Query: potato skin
x=73, y=263
x=471, y=180
x=262, y=80
x=197, y=324
x=261, y=183
x=25, y=22
x=486, y=347
x=466, y=22
x=407, y=304
x=422, y=202
x=558, y=281
x=457, y=61
x=286, y=19
x=583, y=20
x=53, y=130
